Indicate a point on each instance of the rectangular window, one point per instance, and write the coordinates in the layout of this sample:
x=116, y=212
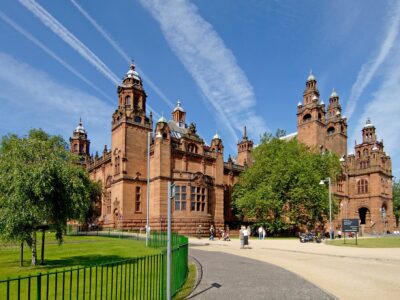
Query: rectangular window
x=138, y=202
x=198, y=199
x=180, y=197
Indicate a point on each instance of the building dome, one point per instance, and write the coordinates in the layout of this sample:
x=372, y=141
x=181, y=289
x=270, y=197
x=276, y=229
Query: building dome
x=178, y=106
x=368, y=124
x=216, y=136
x=80, y=128
x=132, y=73
x=322, y=102
x=162, y=120
x=334, y=94
x=299, y=104
x=311, y=77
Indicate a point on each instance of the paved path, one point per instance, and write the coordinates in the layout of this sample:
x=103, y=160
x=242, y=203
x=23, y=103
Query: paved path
x=345, y=272
x=227, y=276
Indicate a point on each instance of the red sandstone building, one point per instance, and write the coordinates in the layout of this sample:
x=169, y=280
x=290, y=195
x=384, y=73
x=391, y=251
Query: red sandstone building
x=203, y=180
x=365, y=189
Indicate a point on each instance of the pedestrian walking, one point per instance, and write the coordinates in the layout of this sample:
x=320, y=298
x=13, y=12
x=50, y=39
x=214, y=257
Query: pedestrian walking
x=241, y=237
x=199, y=232
x=227, y=234
x=260, y=232
x=264, y=233
x=246, y=237
x=212, y=233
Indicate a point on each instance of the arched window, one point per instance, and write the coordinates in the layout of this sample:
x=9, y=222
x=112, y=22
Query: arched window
x=331, y=130
x=117, y=165
x=136, y=102
x=365, y=152
x=128, y=101
x=362, y=186
x=192, y=148
x=76, y=148
x=307, y=118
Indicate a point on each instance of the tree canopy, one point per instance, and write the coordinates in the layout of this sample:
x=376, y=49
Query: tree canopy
x=281, y=188
x=40, y=183
x=396, y=199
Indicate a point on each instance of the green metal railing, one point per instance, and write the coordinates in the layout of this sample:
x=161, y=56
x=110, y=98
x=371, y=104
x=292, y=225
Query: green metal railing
x=137, y=278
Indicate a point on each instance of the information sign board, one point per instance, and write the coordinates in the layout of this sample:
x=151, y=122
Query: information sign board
x=350, y=225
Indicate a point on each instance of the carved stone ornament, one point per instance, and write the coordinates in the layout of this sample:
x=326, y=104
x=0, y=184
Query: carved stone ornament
x=201, y=180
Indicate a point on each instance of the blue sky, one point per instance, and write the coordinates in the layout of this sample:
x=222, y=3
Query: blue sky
x=231, y=63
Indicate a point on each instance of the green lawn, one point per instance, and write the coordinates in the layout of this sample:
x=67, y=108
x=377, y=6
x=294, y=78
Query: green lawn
x=75, y=251
x=378, y=242
x=139, y=278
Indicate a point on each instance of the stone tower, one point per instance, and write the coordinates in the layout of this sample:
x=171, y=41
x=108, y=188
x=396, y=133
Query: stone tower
x=79, y=142
x=129, y=130
x=245, y=147
x=336, y=127
x=370, y=183
x=311, y=116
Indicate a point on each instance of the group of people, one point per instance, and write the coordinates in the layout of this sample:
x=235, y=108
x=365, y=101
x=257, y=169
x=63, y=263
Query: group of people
x=220, y=233
x=244, y=234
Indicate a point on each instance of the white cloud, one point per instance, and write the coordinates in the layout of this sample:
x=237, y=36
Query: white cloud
x=211, y=64
x=368, y=70
x=47, y=19
x=31, y=98
x=34, y=40
x=122, y=53
x=384, y=110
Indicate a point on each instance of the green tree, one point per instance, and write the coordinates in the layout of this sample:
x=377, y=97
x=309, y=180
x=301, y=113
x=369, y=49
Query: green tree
x=396, y=199
x=40, y=183
x=281, y=189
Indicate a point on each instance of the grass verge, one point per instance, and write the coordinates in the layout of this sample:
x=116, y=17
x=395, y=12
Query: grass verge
x=189, y=284
x=378, y=242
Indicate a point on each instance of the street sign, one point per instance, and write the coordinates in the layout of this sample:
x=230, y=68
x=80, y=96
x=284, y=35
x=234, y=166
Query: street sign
x=350, y=225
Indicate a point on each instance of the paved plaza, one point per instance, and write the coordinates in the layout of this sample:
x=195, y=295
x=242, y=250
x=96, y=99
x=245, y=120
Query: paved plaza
x=344, y=272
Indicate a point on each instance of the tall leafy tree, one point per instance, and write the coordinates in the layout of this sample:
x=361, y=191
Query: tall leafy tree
x=281, y=189
x=40, y=183
x=396, y=199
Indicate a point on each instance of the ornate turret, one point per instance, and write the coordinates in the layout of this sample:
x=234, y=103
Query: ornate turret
x=311, y=116
x=79, y=143
x=131, y=100
x=244, y=149
x=369, y=132
x=311, y=93
x=179, y=115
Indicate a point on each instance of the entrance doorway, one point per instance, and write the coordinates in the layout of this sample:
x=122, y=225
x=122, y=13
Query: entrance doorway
x=364, y=214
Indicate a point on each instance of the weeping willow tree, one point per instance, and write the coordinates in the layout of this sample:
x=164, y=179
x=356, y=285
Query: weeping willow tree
x=40, y=184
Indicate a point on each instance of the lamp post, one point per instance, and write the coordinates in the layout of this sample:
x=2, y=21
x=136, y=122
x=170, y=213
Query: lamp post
x=322, y=182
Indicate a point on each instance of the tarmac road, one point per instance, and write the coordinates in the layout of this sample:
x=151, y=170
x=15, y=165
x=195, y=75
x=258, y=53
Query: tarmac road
x=226, y=276
x=345, y=272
